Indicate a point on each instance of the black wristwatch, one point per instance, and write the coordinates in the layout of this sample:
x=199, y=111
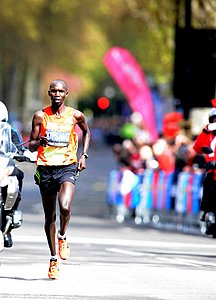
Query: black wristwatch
x=85, y=154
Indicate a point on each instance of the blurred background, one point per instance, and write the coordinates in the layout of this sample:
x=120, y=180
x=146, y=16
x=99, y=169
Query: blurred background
x=172, y=41
x=144, y=74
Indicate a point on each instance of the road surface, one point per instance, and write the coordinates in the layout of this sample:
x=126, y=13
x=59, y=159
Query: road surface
x=108, y=260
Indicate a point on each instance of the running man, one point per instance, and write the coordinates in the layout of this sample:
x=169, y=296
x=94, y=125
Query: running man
x=53, y=135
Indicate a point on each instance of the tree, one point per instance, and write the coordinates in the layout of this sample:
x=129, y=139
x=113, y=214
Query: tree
x=40, y=35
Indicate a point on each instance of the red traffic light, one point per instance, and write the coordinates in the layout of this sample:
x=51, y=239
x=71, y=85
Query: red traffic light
x=103, y=102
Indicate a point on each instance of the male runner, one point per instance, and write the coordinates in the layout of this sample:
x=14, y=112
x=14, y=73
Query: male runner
x=53, y=134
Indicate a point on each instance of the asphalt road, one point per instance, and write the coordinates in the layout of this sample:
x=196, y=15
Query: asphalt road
x=108, y=260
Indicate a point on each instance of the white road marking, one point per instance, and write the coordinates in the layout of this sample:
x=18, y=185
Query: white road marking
x=170, y=260
x=197, y=262
x=118, y=242
x=175, y=261
x=187, y=262
x=132, y=253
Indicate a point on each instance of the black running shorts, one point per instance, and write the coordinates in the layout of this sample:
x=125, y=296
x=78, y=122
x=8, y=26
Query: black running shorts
x=49, y=178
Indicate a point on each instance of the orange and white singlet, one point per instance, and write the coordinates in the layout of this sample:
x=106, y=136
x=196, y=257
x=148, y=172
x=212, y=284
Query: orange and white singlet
x=63, y=140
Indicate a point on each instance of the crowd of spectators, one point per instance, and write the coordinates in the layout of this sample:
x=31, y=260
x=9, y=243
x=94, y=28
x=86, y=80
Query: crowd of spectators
x=169, y=154
x=155, y=178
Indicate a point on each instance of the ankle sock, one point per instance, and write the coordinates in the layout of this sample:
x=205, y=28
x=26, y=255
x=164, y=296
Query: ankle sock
x=61, y=237
x=54, y=257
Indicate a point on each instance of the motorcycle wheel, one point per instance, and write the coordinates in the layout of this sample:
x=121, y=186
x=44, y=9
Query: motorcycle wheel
x=1, y=241
x=1, y=216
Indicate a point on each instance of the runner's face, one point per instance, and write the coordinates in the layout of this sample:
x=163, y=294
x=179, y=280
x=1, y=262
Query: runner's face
x=57, y=94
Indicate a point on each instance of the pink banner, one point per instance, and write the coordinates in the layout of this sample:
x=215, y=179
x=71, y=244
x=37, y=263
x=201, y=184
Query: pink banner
x=130, y=78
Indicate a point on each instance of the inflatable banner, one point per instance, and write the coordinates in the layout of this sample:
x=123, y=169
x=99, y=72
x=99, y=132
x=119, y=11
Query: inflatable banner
x=130, y=78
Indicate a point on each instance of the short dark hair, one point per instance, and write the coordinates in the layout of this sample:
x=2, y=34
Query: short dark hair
x=56, y=81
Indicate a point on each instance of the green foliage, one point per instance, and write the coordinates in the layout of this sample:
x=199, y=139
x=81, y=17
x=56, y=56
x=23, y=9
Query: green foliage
x=74, y=35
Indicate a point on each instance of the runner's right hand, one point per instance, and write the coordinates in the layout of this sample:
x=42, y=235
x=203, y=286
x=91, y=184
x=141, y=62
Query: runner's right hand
x=43, y=141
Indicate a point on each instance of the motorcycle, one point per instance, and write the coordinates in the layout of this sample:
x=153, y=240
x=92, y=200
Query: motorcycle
x=9, y=218
x=210, y=224
x=209, y=218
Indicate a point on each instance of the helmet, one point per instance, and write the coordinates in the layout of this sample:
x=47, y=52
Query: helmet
x=3, y=112
x=212, y=114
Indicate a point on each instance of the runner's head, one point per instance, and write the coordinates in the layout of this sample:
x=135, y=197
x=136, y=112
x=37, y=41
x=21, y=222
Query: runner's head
x=57, y=92
x=58, y=81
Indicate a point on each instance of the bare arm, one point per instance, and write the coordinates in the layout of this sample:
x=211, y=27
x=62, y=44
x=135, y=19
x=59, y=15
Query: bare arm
x=35, y=139
x=81, y=122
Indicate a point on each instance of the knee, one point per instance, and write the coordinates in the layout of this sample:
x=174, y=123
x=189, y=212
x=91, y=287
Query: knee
x=65, y=211
x=18, y=173
x=50, y=219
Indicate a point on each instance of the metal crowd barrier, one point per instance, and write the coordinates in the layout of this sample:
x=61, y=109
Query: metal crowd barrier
x=156, y=198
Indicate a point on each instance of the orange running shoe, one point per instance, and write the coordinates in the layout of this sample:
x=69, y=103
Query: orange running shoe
x=53, y=272
x=64, y=250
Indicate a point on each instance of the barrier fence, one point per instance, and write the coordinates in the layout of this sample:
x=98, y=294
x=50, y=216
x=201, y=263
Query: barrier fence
x=156, y=197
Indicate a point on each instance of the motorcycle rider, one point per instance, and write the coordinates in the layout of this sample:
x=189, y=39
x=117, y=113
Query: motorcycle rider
x=17, y=141
x=205, y=144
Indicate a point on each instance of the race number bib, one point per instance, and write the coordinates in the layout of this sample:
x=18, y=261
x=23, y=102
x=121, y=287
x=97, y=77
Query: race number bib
x=57, y=138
